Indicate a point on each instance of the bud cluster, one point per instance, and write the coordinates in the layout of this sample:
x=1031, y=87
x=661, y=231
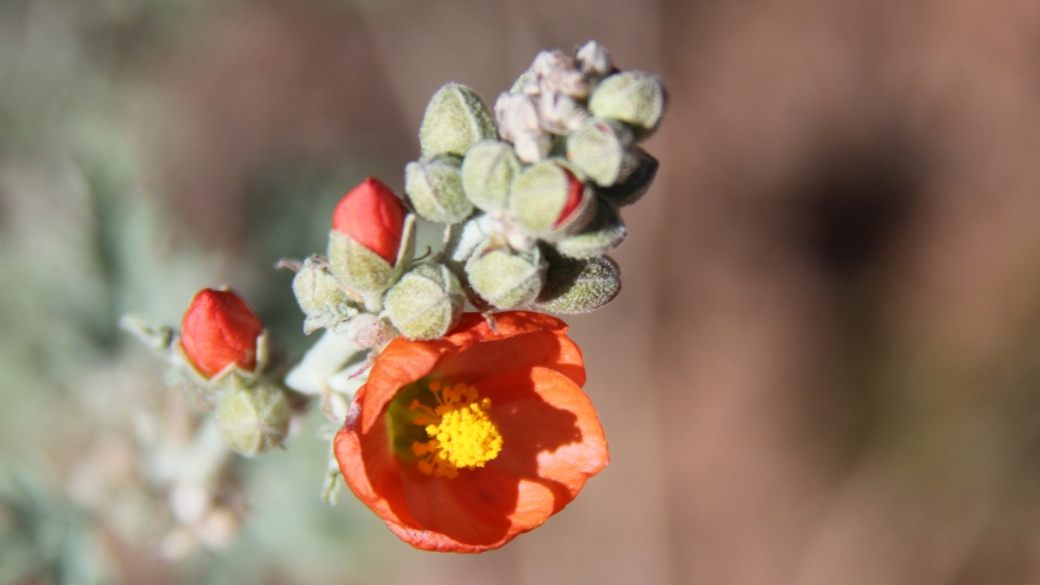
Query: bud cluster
x=547, y=186
x=529, y=194
x=222, y=353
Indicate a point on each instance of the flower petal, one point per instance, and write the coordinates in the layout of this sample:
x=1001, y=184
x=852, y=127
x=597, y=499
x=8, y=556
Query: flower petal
x=400, y=364
x=551, y=434
x=472, y=509
x=372, y=471
x=473, y=351
x=520, y=340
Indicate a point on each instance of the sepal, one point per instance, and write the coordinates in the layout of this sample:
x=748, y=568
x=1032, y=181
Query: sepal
x=426, y=302
x=362, y=269
x=633, y=97
x=434, y=187
x=321, y=297
x=550, y=200
x=252, y=418
x=488, y=172
x=600, y=149
x=504, y=277
x=455, y=119
x=633, y=187
x=603, y=234
x=578, y=286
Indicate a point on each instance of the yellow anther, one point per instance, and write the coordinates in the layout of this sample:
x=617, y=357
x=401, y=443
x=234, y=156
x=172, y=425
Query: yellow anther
x=462, y=435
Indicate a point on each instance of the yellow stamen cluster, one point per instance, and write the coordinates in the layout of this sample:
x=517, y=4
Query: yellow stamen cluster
x=461, y=433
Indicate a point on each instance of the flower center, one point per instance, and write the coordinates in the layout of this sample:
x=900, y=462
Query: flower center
x=460, y=432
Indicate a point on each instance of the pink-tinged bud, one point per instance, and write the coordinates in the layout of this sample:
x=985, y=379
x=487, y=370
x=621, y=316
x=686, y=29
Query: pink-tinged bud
x=219, y=329
x=371, y=215
x=550, y=201
x=575, y=191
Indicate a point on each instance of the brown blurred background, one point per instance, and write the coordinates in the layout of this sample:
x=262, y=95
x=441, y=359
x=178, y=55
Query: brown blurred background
x=824, y=366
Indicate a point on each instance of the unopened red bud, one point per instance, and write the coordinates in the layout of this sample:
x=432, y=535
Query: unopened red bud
x=219, y=330
x=372, y=216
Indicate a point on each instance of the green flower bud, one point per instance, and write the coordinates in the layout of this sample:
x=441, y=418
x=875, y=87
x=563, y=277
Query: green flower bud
x=435, y=189
x=505, y=278
x=455, y=119
x=636, y=184
x=550, y=201
x=578, y=286
x=426, y=302
x=600, y=149
x=364, y=270
x=252, y=419
x=322, y=299
x=603, y=234
x=634, y=97
x=488, y=172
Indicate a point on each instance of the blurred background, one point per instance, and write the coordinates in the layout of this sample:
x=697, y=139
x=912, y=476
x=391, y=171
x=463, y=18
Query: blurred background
x=824, y=366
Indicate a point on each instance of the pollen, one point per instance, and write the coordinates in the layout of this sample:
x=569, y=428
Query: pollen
x=461, y=434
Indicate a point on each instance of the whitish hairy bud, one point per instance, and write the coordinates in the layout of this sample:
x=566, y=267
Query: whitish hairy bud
x=252, y=419
x=558, y=73
x=560, y=113
x=435, y=189
x=321, y=297
x=455, y=119
x=578, y=286
x=516, y=113
x=488, y=172
x=550, y=201
x=603, y=234
x=472, y=236
x=636, y=184
x=600, y=149
x=505, y=278
x=526, y=83
x=518, y=122
x=634, y=97
x=367, y=331
x=426, y=302
x=594, y=60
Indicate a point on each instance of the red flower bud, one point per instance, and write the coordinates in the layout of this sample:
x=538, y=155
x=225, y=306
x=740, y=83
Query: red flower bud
x=372, y=216
x=218, y=330
x=575, y=190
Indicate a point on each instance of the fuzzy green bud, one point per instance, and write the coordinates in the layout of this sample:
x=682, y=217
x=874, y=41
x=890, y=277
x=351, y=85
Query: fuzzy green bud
x=634, y=97
x=600, y=149
x=578, y=286
x=603, y=234
x=488, y=172
x=551, y=201
x=252, y=419
x=435, y=189
x=455, y=119
x=426, y=302
x=636, y=184
x=505, y=278
x=320, y=296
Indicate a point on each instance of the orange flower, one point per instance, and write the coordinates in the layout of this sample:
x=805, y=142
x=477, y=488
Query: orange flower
x=462, y=443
